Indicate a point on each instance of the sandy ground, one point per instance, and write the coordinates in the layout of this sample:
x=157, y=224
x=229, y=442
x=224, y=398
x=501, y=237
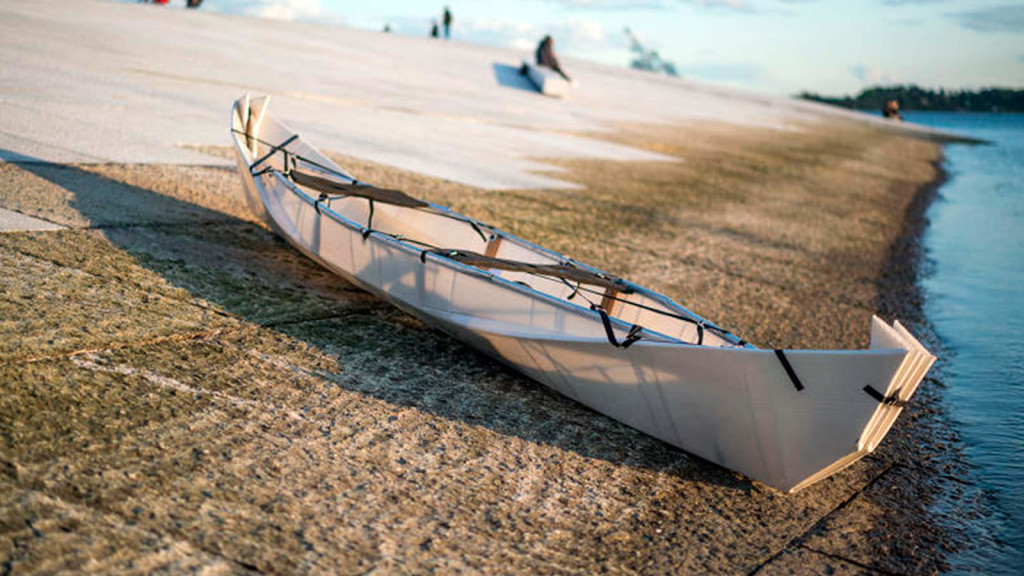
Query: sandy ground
x=182, y=392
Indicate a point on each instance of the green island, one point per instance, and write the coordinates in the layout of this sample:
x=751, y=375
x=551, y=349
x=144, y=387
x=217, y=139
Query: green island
x=912, y=97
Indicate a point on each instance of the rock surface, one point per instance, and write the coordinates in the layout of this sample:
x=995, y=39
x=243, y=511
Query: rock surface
x=180, y=392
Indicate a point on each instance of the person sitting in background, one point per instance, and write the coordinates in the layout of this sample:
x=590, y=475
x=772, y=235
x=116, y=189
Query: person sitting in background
x=433, y=30
x=546, y=56
x=891, y=110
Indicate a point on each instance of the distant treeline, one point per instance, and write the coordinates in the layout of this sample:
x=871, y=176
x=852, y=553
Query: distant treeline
x=916, y=98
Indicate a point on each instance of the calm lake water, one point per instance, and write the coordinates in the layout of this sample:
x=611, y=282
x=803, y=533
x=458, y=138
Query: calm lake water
x=975, y=299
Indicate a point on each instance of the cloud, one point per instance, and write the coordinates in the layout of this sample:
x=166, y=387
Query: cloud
x=907, y=21
x=728, y=5
x=731, y=5
x=745, y=6
x=613, y=4
x=872, y=75
x=743, y=72
x=908, y=2
x=276, y=9
x=579, y=36
x=992, y=20
x=499, y=32
x=587, y=35
x=573, y=36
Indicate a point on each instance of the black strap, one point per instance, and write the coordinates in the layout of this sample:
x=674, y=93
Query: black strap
x=893, y=400
x=874, y=393
x=273, y=151
x=266, y=170
x=476, y=227
x=631, y=338
x=575, y=291
x=290, y=163
x=700, y=324
x=320, y=200
x=560, y=271
x=789, y=369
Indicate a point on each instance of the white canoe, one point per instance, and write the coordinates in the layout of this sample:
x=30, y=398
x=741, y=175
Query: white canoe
x=787, y=418
x=549, y=82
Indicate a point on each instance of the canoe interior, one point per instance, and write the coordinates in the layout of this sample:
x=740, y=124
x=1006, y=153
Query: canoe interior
x=441, y=228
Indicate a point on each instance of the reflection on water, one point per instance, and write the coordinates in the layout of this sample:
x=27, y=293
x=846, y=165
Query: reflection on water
x=975, y=299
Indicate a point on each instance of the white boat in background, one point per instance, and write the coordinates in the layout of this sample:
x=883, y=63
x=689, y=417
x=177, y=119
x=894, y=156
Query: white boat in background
x=549, y=82
x=787, y=418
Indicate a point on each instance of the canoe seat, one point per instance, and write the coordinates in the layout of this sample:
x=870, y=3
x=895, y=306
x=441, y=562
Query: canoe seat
x=562, y=271
x=383, y=195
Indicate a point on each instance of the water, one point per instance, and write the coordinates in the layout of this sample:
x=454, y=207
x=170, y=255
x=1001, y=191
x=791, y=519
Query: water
x=975, y=300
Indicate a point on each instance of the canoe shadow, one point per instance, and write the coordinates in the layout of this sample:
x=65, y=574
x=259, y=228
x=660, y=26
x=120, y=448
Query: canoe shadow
x=176, y=239
x=510, y=77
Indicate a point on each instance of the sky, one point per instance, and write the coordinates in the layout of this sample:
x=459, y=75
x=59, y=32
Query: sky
x=781, y=47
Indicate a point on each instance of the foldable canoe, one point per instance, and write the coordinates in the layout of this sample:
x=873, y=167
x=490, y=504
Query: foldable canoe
x=787, y=418
x=549, y=82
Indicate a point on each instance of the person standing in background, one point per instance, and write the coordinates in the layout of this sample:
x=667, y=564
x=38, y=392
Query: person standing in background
x=891, y=110
x=447, y=23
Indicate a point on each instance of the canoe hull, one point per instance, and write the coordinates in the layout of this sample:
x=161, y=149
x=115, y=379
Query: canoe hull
x=547, y=81
x=736, y=406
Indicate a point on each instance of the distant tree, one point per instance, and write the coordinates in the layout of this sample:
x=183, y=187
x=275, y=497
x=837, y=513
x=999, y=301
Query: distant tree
x=911, y=97
x=649, y=60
